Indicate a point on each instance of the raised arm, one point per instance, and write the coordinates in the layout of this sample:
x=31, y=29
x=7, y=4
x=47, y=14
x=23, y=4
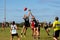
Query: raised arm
x=24, y=16
x=29, y=13
x=54, y=25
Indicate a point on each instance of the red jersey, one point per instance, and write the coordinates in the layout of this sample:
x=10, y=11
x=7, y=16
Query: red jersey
x=3, y=25
x=32, y=24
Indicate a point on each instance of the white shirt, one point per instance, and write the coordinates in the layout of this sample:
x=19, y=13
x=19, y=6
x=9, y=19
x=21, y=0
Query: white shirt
x=13, y=27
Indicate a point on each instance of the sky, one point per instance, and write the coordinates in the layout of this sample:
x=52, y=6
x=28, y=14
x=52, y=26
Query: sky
x=43, y=10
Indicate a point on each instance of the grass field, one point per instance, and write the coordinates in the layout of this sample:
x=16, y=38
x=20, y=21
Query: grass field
x=5, y=35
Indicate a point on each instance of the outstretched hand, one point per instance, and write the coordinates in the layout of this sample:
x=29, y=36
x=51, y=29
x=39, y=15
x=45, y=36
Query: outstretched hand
x=30, y=13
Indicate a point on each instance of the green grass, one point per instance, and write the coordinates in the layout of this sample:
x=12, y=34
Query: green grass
x=5, y=35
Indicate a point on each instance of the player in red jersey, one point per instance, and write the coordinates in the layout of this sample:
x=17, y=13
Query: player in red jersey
x=32, y=24
x=3, y=26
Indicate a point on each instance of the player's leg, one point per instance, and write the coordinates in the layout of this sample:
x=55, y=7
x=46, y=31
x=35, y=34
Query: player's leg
x=18, y=36
x=38, y=32
x=56, y=35
x=22, y=32
x=47, y=30
x=26, y=26
x=34, y=33
x=25, y=31
x=11, y=37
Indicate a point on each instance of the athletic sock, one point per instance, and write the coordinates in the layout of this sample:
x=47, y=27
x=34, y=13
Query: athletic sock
x=24, y=34
x=21, y=33
x=34, y=36
x=48, y=34
x=38, y=36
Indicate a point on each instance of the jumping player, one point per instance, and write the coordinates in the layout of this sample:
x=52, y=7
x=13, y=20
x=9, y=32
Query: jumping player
x=36, y=27
x=32, y=25
x=26, y=24
x=13, y=31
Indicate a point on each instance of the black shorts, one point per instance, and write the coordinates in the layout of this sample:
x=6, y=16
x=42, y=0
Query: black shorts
x=46, y=28
x=39, y=29
x=14, y=34
x=27, y=24
x=36, y=25
x=56, y=33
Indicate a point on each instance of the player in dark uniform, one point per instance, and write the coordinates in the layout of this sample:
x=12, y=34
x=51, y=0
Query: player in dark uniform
x=26, y=24
x=35, y=27
x=46, y=27
x=49, y=24
x=38, y=29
